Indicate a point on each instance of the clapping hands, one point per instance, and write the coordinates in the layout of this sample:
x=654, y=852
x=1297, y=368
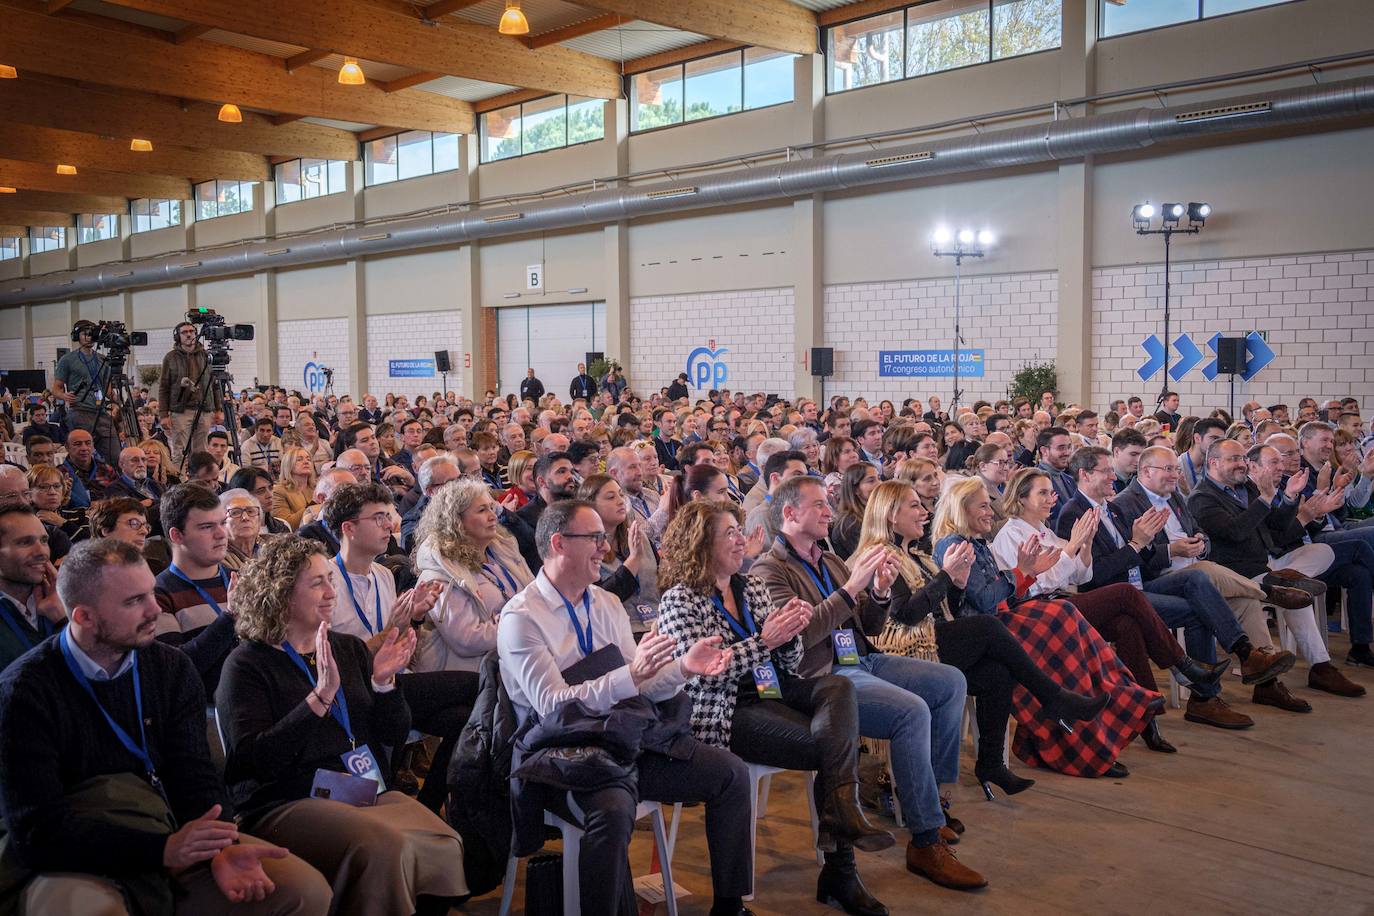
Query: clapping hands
x=783, y=625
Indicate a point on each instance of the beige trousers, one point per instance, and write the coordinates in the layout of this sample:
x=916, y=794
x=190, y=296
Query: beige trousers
x=1245, y=597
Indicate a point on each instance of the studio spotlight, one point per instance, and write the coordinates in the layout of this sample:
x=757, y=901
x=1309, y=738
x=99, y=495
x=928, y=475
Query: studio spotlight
x=1198, y=213
x=941, y=235
x=1141, y=214
x=966, y=236
x=986, y=238
x=1172, y=213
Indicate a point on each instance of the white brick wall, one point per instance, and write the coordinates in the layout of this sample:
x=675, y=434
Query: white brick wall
x=317, y=340
x=12, y=353
x=1318, y=311
x=755, y=325
x=1011, y=317
x=412, y=335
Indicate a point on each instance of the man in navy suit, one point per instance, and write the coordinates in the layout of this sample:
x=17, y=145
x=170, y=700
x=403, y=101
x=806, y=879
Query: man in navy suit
x=1054, y=448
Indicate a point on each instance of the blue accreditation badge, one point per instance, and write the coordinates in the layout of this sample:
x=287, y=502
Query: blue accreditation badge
x=1134, y=577
x=846, y=651
x=646, y=613
x=360, y=762
x=766, y=681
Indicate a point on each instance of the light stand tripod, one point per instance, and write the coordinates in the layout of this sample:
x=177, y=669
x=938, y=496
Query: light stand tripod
x=958, y=253
x=117, y=391
x=1171, y=214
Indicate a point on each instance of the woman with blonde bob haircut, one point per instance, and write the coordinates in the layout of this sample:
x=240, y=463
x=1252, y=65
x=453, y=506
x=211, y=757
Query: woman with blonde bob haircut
x=295, y=488
x=805, y=723
x=1053, y=633
x=461, y=543
x=295, y=698
x=920, y=625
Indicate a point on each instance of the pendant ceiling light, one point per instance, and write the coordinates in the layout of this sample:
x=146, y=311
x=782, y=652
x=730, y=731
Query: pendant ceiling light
x=513, y=21
x=350, y=74
x=230, y=114
x=66, y=170
x=8, y=191
x=141, y=146
x=8, y=73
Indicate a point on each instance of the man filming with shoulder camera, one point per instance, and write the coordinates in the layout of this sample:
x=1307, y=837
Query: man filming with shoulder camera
x=82, y=378
x=184, y=387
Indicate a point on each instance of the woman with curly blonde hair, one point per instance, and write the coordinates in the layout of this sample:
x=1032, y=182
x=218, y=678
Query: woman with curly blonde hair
x=294, y=699
x=460, y=543
x=160, y=466
x=803, y=723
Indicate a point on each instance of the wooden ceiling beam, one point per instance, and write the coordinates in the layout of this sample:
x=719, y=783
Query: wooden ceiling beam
x=212, y=72
x=507, y=98
x=777, y=24
x=678, y=55
x=163, y=120
x=13, y=218
x=444, y=7
x=43, y=144
x=280, y=120
x=64, y=203
x=57, y=6
x=366, y=30
x=406, y=82
x=33, y=176
x=576, y=30
x=189, y=33
x=304, y=59
x=860, y=10
x=15, y=232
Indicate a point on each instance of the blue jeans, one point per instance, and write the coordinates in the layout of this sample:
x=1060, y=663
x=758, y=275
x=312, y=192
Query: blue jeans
x=919, y=707
x=1187, y=598
x=1352, y=571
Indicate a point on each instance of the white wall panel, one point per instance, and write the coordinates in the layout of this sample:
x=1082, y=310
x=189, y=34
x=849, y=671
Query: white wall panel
x=551, y=339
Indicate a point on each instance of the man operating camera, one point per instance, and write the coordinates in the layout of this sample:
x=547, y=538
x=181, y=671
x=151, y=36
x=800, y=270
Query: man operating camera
x=184, y=387
x=82, y=379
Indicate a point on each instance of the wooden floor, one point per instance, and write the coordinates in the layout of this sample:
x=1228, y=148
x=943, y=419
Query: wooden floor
x=1276, y=819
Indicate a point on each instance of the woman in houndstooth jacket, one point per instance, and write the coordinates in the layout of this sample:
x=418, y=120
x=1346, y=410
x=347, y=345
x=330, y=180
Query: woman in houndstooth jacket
x=759, y=708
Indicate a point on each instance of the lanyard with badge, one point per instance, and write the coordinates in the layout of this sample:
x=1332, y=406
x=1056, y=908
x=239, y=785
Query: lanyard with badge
x=139, y=750
x=1133, y=574
x=765, y=675
x=641, y=505
x=204, y=595
x=359, y=760
x=15, y=621
x=358, y=608
x=495, y=578
x=846, y=647
x=585, y=639
x=94, y=374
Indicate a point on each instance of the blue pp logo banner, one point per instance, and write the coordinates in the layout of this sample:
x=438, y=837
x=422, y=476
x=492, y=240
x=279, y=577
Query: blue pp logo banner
x=313, y=379
x=928, y=363
x=706, y=368
x=410, y=368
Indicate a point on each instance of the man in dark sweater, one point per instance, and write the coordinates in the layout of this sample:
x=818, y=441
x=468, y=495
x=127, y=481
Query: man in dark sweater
x=29, y=604
x=101, y=717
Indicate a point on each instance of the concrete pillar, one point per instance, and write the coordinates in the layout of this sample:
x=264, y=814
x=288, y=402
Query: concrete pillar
x=616, y=248
x=356, y=310
x=470, y=368
x=806, y=255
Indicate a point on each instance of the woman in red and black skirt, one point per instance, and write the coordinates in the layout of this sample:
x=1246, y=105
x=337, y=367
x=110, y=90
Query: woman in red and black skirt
x=1054, y=634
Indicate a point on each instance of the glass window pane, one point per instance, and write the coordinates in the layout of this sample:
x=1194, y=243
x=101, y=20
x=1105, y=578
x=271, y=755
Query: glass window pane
x=1222, y=7
x=713, y=86
x=866, y=52
x=768, y=77
x=207, y=205
x=656, y=98
x=379, y=161
x=1024, y=26
x=246, y=191
x=9, y=248
x=415, y=154
x=338, y=176
x=288, y=176
x=544, y=124
x=946, y=34
x=586, y=120
x=445, y=152
x=1120, y=18
x=313, y=178
x=501, y=133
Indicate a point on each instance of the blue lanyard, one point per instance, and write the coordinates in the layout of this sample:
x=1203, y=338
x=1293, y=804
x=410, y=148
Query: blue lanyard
x=17, y=623
x=204, y=595
x=358, y=608
x=339, y=708
x=139, y=750
x=584, y=637
x=1192, y=470
x=641, y=505
x=496, y=580
x=743, y=632
x=824, y=583
x=93, y=374
x=755, y=468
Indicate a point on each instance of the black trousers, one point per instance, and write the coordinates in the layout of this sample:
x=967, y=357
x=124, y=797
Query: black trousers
x=815, y=726
x=713, y=776
x=440, y=704
x=993, y=663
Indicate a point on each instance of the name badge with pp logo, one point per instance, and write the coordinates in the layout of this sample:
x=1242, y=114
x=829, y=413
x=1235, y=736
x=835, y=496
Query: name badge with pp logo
x=846, y=651
x=646, y=613
x=360, y=762
x=1134, y=577
x=766, y=681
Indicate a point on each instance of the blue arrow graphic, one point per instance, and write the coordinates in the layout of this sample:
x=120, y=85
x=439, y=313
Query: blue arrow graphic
x=1155, y=351
x=1258, y=355
x=1209, y=371
x=1190, y=354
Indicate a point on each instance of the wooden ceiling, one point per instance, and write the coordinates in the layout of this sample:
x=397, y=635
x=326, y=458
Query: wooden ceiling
x=94, y=74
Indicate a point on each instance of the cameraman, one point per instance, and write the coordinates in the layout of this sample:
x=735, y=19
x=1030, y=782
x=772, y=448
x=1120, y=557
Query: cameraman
x=184, y=386
x=81, y=378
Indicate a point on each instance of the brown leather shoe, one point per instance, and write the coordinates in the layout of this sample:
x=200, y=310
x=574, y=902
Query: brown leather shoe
x=1216, y=713
x=1274, y=693
x=949, y=836
x=939, y=864
x=1325, y=677
x=1285, y=597
x=1294, y=579
x=1265, y=663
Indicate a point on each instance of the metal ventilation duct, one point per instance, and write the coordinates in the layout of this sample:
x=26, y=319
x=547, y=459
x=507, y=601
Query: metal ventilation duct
x=1055, y=140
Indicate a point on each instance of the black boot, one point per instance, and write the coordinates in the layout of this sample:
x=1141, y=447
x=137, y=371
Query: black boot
x=729, y=906
x=1203, y=674
x=1002, y=777
x=842, y=818
x=1155, y=741
x=839, y=885
x=1070, y=707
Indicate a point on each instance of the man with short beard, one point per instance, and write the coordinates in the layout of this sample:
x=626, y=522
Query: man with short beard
x=89, y=473
x=29, y=603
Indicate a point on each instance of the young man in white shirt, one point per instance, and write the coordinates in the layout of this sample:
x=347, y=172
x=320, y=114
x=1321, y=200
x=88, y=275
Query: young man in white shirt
x=557, y=621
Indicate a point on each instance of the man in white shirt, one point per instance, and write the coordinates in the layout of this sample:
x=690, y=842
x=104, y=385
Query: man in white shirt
x=560, y=619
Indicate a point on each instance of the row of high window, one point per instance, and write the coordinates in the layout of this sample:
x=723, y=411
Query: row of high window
x=913, y=41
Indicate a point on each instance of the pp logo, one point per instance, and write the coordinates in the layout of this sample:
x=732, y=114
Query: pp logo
x=706, y=368
x=844, y=640
x=763, y=673
x=314, y=378
x=359, y=764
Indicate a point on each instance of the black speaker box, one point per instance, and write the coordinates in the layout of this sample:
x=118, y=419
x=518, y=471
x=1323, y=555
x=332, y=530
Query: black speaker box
x=1231, y=355
x=822, y=361
x=441, y=361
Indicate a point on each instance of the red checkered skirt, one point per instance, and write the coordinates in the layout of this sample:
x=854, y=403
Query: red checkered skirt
x=1067, y=648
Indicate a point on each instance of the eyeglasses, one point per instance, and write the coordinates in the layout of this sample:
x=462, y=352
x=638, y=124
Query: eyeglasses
x=239, y=512
x=381, y=519
x=49, y=488
x=136, y=524
x=598, y=537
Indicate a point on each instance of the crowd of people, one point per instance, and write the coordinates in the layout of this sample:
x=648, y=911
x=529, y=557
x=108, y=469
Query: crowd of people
x=401, y=613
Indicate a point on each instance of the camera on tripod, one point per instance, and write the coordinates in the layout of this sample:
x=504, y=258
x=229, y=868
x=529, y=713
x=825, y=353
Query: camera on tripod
x=217, y=334
x=112, y=336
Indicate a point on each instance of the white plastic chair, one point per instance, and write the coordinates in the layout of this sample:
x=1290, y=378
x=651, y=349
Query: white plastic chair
x=16, y=454
x=572, y=847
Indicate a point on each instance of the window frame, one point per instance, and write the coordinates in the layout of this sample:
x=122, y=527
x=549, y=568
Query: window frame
x=80, y=217
x=60, y=246
x=300, y=182
x=135, y=216
x=906, y=33
x=458, y=164
x=217, y=182
x=681, y=66
x=1200, y=17
x=520, y=115
x=18, y=247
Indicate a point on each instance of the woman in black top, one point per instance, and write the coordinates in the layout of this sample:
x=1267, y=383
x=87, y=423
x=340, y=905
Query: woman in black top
x=855, y=485
x=293, y=699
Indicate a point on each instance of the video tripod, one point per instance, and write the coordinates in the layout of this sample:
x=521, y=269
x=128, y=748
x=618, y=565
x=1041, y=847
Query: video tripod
x=221, y=385
x=117, y=391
